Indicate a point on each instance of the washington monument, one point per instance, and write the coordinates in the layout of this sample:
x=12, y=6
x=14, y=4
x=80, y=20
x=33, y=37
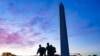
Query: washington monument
x=63, y=32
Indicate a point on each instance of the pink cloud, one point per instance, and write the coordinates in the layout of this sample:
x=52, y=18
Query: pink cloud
x=12, y=37
x=15, y=37
x=7, y=38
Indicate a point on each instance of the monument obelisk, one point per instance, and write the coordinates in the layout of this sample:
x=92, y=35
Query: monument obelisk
x=63, y=32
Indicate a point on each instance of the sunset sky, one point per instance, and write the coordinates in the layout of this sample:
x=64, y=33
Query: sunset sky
x=24, y=24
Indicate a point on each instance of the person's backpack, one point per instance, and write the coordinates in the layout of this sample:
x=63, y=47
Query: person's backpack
x=54, y=49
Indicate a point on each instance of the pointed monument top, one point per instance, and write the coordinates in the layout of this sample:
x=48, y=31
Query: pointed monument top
x=61, y=4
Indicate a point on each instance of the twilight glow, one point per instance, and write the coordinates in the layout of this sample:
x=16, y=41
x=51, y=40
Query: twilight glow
x=24, y=24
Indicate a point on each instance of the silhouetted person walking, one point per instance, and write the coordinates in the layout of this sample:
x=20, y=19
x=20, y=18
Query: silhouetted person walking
x=50, y=50
x=41, y=51
x=53, y=50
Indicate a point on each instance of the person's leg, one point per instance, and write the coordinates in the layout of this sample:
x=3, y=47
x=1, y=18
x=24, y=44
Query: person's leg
x=41, y=54
x=44, y=54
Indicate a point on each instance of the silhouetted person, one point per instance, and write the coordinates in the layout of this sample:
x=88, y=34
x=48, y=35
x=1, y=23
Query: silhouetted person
x=94, y=55
x=41, y=51
x=53, y=50
x=50, y=50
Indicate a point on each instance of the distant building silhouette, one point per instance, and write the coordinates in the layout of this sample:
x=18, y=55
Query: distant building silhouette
x=75, y=54
x=63, y=32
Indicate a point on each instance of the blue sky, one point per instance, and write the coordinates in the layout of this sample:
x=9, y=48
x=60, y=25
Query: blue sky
x=34, y=22
x=83, y=18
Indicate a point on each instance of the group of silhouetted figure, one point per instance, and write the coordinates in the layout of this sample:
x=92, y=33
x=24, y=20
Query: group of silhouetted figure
x=51, y=50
